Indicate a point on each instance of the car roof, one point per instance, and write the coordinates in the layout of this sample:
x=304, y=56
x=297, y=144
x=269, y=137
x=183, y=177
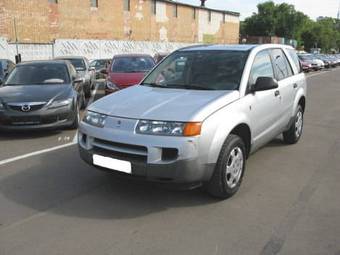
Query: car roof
x=43, y=62
x=70, y=57
x=132, y=55
x=232, y=47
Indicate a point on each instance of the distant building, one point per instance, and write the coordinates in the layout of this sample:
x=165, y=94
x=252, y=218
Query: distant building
x=41, y=21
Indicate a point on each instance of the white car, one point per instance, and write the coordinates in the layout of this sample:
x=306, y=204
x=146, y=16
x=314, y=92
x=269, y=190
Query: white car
x=198, y=115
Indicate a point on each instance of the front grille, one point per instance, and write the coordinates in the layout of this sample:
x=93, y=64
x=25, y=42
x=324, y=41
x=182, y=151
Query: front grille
x=120, y=150
x=25, y=120
x=32, y=106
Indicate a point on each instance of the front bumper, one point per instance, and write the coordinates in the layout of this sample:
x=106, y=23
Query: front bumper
x=153, y=158
x=41, y=119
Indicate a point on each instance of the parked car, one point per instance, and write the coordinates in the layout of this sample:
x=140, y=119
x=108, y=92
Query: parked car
x=6, y=66
x=99, y=65
x=306, y=67
x=317, y=64
x=198, y=115
x=127, y=70
x=82, y=66
x=326, y=60
x=160, y=56
x=41, y=94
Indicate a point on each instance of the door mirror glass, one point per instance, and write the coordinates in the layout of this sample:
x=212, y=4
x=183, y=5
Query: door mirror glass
x=264, y=83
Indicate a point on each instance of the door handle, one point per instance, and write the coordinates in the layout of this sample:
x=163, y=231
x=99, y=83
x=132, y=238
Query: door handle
x=295, y=85
x=277, y=93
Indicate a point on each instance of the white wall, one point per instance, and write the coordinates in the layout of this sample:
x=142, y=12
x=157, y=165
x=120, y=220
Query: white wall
x=91, y=49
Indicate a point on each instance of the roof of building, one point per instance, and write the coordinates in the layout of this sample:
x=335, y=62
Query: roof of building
x=237, y=14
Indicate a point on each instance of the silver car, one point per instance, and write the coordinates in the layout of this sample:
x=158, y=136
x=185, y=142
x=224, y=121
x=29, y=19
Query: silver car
x=198, y=115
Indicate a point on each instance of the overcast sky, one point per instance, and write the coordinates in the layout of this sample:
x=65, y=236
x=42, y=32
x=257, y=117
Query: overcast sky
x=313, y=8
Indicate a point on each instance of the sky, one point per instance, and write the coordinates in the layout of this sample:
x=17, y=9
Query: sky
x=313, y=8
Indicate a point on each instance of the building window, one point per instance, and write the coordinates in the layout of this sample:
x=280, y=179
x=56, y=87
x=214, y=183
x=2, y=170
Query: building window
x=224, y=18
x=153, y=7
x=94, y=3
x=127, y=5
x=53, y=1
x=209, y=16
x=194, y=13
x=175, y=11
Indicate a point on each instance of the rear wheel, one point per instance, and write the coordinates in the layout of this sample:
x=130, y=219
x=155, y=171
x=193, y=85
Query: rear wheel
x=229, y=170
x=293, y=134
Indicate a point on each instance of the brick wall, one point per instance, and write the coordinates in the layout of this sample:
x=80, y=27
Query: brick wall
x=41, y=21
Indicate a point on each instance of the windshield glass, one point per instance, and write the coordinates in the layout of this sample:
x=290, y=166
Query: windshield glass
x=37, y=74
x=202, y=70
x=131, y=64
x=305, y=57
x=78, y=64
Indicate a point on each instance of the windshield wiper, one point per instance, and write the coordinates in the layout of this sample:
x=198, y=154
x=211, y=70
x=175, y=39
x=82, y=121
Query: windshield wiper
x=187, y=86
x=154, y=85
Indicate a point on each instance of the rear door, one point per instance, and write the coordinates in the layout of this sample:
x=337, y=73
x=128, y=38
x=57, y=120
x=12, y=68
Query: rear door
x=285, y=77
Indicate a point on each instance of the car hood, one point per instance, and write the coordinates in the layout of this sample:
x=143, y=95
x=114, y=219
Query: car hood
x=141, y=102
x=123, y=80
x=33, y=93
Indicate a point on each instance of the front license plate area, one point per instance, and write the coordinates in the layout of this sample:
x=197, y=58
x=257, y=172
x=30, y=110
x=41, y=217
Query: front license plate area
x=113, y=164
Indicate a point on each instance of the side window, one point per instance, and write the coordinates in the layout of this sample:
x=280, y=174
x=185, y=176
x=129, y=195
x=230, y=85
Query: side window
x=262, y=67
x=282, y=67
x=295, y=58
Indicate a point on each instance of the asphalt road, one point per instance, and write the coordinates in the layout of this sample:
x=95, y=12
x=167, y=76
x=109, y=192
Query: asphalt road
x=53, y=203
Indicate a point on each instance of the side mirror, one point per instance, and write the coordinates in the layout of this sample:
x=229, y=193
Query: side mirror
x=103, y=71
x=92, y=68
x=264, y=83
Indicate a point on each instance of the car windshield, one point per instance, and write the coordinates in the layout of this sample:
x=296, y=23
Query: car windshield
x=38, y=74
x=131, y=64
x=201, y=70
x=305, y=57
x=78, y=63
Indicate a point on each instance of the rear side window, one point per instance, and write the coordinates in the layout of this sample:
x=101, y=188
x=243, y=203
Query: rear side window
x=262, y=67
x=281, y=65
x=295, y=59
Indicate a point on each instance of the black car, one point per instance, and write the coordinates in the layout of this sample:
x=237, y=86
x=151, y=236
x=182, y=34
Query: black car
x=99, y=65
x=6, y=66
x=41, y=94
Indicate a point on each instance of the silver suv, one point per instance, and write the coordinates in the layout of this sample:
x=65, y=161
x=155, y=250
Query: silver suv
x=197, y=116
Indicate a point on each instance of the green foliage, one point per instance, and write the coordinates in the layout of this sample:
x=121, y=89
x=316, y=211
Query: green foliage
x=283, y=20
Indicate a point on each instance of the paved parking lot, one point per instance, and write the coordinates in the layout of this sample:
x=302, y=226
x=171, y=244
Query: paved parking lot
x=53, y=203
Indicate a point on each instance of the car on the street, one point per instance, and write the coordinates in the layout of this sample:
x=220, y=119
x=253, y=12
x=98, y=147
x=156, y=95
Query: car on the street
x=317, y=64
x=87, y=73
x=127, y=70
x=306, y=66
x=198, y=115
x=326, y=60
x=41, y=95
x=6, y=66
x=99, y=65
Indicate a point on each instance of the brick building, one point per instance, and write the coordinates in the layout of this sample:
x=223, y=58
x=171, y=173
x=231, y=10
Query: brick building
x=41, y=21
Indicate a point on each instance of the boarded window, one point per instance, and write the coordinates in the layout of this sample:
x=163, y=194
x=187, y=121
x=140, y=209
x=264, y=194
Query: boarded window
x=209, y=16
x=127, y=5
x=94, y=3
x=194, y=13
x=175, y=11
x=153, y=6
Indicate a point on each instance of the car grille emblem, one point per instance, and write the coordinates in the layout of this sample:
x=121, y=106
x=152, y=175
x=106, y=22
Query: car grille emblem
x=26, y=108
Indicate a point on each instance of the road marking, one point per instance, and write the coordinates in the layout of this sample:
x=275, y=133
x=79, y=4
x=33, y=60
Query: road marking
x=317, y=74
x=6, y=161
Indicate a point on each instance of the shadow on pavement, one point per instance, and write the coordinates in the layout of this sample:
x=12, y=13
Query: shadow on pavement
x=61, y=183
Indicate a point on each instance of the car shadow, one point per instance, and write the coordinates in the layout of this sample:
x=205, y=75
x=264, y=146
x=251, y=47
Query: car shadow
x=27, y=134
x=61, y=183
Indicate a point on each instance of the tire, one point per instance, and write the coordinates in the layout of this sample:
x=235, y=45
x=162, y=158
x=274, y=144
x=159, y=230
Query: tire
x=224, y=183
x=76, y=120
x=293, y=134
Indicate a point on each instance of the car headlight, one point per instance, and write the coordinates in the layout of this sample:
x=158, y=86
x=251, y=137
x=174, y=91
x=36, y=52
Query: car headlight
x=111, y=85
x=95, y=119
x=60, y=103
x=168, y=128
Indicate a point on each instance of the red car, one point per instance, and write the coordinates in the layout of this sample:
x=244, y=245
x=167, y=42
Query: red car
x=306, y=67
x=127, y=70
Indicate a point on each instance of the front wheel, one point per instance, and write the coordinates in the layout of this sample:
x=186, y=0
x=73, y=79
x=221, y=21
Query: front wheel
x=76, y=119
x=293, y=134
x=229, y=170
